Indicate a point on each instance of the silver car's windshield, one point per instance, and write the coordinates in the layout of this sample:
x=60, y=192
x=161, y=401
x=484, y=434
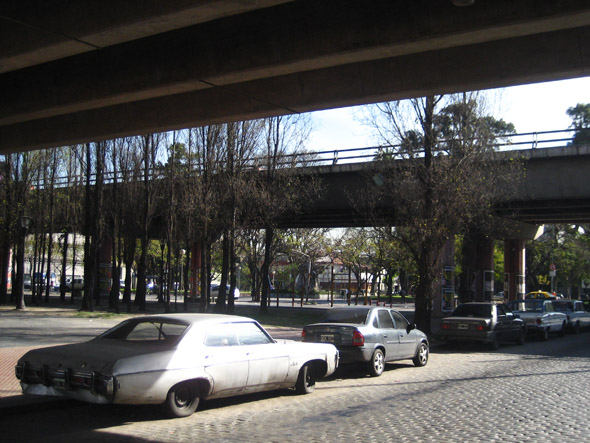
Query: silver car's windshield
x=354, y=316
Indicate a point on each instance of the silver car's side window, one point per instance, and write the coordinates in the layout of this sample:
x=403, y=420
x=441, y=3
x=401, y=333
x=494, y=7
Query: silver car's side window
x=385, y=321
x=400, y=321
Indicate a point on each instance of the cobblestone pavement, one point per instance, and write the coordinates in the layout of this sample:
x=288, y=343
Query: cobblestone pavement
x=531, y=393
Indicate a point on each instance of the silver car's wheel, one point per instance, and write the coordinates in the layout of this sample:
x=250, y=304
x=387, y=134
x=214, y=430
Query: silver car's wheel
x=182, y=400
x=421, y=357
x=521, y=339
x=545, y=334
x=577, y=328
x=306, y=380
x=377, y=363
x=563, y=329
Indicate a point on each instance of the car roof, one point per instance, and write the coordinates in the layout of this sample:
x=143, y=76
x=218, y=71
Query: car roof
x=194, y=318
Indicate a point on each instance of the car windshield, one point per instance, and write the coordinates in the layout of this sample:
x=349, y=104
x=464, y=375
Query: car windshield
x=479, y=311
x=152, y=331
x=354, y=316
x=526, y=305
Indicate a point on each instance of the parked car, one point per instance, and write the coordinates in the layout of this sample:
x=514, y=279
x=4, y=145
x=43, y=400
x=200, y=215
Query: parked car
x=77, y=283
x=490, y=323
x=540, y=294
x=577, y=317
x=540, y=316
x=40, y=279
x=175, y=360
x=27, y=281
x=498, y=297
x=215, y=292
x=371, y=335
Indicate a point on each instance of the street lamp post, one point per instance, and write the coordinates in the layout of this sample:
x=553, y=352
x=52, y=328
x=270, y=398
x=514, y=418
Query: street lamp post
x=25, y=222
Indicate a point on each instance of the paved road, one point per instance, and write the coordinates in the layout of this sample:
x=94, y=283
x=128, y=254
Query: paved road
x=532, y=393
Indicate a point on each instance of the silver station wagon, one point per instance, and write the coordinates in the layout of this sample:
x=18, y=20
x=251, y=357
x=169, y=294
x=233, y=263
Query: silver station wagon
x=175, y=360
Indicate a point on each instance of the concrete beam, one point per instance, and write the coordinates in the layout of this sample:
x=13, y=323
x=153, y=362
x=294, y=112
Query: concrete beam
x=38, y=31
x=551, y=56
x=293, y=38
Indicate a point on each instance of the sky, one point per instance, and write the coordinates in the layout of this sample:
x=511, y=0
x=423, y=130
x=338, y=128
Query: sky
x=531, y=108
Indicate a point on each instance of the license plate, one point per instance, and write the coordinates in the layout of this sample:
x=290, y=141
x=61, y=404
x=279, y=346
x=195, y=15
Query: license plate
x=462, y=326
x=327, y=338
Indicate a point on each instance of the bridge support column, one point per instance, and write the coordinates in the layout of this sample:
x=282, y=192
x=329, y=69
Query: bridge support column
x=445, y=300
x=477, y=282
x=514, y=269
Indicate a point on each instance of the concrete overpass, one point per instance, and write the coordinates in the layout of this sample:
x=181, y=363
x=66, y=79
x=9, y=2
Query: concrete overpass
x=73, y=72
x=554, y=189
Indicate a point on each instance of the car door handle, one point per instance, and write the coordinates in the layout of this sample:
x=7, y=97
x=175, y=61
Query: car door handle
x=384, y=335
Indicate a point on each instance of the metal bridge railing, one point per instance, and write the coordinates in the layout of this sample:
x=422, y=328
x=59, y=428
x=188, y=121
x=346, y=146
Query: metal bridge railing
x=510, y=142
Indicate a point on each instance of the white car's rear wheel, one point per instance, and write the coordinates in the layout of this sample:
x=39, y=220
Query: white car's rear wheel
x=182, y=400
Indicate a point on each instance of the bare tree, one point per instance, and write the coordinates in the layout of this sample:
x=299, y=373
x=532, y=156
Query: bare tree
x=438, y=176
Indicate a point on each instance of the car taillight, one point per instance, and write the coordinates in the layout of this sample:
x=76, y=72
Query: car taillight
x=445, y=326
x=480, y=328
x=358, y=339
x=539, y=321
x=303, y=334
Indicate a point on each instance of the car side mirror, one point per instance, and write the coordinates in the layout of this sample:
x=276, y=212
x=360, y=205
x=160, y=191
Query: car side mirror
x=410, y=327
x=516, y=315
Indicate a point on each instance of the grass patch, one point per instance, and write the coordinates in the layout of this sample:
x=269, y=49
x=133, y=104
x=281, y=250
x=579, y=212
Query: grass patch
x=99, y=314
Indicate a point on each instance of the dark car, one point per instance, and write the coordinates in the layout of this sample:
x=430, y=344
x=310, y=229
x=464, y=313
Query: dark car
x=371, y=335
x=484, y=322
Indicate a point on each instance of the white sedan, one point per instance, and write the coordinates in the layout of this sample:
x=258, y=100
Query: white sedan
x=175, y=360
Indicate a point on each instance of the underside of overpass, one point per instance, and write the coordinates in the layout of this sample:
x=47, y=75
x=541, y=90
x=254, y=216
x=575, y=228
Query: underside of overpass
x=73, y=72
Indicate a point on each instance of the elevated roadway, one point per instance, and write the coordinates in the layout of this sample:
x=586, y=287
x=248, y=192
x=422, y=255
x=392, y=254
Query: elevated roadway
x=74, y=72
x=554, y=189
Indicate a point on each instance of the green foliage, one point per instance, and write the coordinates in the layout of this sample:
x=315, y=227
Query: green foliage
x=580, y=115
x=565, y=246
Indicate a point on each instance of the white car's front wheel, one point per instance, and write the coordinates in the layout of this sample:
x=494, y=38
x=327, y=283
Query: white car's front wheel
x=306, y=380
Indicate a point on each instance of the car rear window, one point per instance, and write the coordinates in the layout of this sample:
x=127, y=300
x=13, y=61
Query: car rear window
x=146, y=331
x=354, y=316
x=478, y=311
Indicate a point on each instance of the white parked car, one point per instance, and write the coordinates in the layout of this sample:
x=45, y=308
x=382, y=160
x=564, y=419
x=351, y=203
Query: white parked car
x=577, y=317
x=539, y=316
x=215, y=292
x=175, y=360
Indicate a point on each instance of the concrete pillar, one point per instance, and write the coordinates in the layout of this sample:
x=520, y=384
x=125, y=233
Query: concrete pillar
x=514, y=269
x=485, y=265
x=444, y=299
x=477, y=281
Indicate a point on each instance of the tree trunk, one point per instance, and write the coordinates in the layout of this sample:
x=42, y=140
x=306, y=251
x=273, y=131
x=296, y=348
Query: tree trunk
x=268, y=237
